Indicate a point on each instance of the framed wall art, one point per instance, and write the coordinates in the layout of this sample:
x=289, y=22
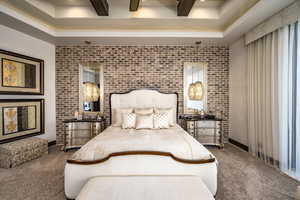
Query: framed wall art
x=21, y=74
x=21, y=118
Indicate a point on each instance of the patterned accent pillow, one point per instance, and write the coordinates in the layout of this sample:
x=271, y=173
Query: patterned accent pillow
x=129, y=120
x=144, y=121
x=117, y=118
x=169, y=111
x=161, y=120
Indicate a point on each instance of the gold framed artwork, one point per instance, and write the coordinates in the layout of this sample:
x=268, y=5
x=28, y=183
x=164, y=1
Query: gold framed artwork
x=21, y=118
x=21, y=74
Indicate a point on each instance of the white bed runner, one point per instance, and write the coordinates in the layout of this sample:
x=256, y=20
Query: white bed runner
x=145, y=188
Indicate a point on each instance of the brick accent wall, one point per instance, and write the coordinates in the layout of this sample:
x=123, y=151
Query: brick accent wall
x=132, y=67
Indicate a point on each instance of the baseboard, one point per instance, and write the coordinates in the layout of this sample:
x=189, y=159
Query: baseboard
x=240, y=145
x=52, y=143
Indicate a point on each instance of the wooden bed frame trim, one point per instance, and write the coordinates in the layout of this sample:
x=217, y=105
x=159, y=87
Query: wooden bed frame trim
x=127, y=153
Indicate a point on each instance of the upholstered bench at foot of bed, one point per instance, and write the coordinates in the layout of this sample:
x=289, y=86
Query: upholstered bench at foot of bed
x=145, y=187
x=15, y=153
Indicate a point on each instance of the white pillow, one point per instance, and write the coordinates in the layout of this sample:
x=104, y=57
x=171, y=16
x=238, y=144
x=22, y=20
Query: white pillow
x=144, y=121
x=161, y=121
x=129, y=120
x=143, y=111
x=117, y=115
x=170, y=113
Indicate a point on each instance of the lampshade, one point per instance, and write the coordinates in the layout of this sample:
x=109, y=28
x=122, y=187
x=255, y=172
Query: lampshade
x=91, y=92
x=191, y=91
x=196, y=91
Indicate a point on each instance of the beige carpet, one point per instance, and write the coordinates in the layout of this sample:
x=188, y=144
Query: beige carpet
x=241, y=177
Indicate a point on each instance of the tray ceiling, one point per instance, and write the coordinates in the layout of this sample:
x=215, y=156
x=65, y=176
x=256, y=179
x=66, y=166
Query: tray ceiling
x=212, y=15
x=155, y=22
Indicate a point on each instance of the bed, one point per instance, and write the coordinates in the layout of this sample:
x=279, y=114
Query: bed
x=130, y=152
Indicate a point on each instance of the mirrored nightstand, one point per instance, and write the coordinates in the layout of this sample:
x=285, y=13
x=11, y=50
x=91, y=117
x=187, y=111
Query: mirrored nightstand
x=208, y=131
x=79, y=132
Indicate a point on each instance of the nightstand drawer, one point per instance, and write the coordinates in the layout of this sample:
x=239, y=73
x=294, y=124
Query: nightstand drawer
x=208, y=132
x=203, y=124
x=78, y=125
x=208, y=140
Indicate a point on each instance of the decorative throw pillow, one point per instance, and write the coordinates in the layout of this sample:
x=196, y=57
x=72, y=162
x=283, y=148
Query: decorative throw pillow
x=118, y=114
x=144, y=121
x=161, y=121
x=143, y=111
x=170, y=113
x=129, y=120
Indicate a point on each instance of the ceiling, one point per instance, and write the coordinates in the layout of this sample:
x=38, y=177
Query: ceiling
x=144, y=2
x=214, y=15
x=69, y=21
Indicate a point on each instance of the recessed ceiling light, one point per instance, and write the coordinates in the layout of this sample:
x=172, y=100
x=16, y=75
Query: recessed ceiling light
x=202, y=0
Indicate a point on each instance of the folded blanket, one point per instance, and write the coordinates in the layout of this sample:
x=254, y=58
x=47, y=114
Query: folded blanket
x=114, y=140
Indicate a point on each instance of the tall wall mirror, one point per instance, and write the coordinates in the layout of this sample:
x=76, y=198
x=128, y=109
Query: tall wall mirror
x=91, y=88
x=195, y=87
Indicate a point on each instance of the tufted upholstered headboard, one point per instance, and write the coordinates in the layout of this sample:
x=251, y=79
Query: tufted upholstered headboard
x=143, y=98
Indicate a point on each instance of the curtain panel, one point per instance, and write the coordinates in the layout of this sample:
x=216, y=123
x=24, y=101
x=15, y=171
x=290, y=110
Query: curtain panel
x=274, y=99
x=262, y=98
x=289, y=100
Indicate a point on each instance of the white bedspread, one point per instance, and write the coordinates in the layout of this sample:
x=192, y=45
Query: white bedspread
x=114, y=139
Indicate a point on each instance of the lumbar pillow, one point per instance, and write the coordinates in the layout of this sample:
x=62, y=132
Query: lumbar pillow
x=129, y=120
x=144, y=121
x=161, y=120
x=117, y=115
x=170, y=113
x=143, y=111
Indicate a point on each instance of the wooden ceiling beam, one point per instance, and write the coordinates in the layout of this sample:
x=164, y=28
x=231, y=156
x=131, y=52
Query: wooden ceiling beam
x=184, y=7
x=101, y=7
x=134, y=5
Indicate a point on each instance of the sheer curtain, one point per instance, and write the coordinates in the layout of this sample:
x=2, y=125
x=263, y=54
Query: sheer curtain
x=289, y=100
x=274, y=99
x=262, y=98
